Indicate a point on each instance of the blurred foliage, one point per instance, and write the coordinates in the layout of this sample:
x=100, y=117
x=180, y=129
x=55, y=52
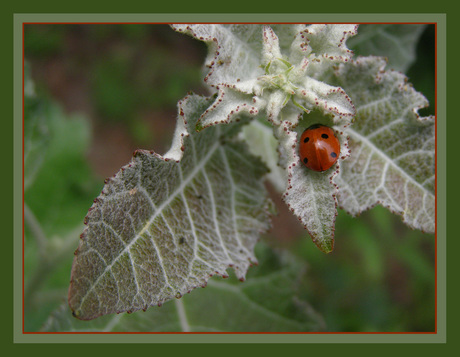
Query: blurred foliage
x=59, y=187
x=422, y=73
x=129, y=70
x=59, y=191
x=381, y=274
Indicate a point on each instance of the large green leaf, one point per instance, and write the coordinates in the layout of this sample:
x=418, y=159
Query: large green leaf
x=163, y=225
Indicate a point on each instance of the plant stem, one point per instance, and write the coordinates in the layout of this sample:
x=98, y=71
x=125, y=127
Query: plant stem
x=36, y=230
x=49, y=258
x=185, y=327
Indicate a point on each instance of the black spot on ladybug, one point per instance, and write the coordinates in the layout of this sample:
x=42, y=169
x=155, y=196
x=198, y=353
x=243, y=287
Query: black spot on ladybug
x=324, y=136
x=333, y=154
x=306, y=139
x=305, y=160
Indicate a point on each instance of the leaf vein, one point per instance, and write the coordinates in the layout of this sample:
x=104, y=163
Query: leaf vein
x=386, y=158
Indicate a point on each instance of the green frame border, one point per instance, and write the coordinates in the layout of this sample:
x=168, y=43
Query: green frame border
x=439, y=337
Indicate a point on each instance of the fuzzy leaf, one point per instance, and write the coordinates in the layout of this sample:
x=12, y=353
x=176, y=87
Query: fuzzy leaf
x=311, y=195
x=392, y=159
x=225, y=305
x=396, y=42
x=257, y=70
x=161, y=227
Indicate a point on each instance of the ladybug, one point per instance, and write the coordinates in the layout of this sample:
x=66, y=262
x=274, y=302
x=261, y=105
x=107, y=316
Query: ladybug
x=319, y=148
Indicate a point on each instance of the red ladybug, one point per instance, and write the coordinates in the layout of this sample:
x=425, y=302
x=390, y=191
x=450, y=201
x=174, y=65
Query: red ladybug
x=319, y=148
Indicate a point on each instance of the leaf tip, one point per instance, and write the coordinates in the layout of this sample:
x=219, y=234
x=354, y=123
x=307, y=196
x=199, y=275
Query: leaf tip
x=76, y=313
x=326, y=245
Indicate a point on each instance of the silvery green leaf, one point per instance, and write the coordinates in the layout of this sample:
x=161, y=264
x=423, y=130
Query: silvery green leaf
x=311, y=195
x=163, y=225
x=392, y=159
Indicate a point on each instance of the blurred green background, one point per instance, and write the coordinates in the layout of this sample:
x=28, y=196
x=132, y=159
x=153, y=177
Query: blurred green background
x=118, y=86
